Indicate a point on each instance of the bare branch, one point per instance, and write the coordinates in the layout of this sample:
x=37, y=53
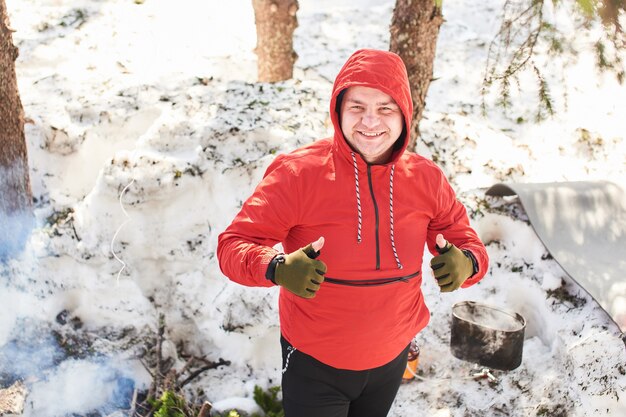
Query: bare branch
x=197, y=372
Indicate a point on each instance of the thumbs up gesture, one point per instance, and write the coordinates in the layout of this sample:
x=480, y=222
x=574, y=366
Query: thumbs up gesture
x=300, y=272
x=451, y=267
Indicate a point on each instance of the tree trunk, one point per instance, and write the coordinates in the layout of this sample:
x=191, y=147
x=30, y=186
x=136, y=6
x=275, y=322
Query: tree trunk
x=15, y=192
x=414, y=31
x=275, y=22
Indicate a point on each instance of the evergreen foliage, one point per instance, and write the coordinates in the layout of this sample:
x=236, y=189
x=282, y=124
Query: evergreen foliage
x=525, y=29
x=170, y=405
x=269, y=402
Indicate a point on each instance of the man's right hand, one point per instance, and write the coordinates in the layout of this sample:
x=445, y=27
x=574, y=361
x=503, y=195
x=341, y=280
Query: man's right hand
x=300, y=273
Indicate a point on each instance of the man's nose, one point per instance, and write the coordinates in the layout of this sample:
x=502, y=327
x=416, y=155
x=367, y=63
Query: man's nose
x=370, y=120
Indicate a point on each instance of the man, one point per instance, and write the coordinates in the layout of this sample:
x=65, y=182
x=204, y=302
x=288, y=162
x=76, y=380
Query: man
x=353, y=213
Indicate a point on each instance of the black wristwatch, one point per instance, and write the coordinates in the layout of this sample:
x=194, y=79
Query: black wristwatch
x=470, y=255
x=271, y=268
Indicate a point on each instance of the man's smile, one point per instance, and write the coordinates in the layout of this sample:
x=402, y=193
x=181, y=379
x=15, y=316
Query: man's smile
x=370, y=134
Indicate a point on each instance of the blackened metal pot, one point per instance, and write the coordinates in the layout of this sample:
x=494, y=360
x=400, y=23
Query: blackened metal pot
x=487, y=335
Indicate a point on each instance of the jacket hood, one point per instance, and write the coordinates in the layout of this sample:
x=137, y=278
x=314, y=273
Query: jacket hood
x=378, y=69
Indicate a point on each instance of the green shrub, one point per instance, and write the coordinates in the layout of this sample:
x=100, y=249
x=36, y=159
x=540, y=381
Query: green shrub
x=170, y=405
x=269, y=402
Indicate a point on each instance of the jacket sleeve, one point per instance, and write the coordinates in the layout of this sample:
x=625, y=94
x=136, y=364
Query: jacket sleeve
x=245, y=248
x=452, y=221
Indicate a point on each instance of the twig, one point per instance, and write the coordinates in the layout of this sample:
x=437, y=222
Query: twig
x=146, y=367
x=187, y=365
x=205, y=410
x=159, y=351
x=197, y=372
x=133, y=403
x=165, y=377
x=74, y=230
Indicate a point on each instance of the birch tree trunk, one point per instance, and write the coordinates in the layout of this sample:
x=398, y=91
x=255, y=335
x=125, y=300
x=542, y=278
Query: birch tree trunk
x=15, y=191
x=275, y=23
x=414, y=31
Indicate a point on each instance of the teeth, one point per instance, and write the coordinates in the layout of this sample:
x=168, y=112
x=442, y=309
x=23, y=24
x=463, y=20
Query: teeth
x=370, y=134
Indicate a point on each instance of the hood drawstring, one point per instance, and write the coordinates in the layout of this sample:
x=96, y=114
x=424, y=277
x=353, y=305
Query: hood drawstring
x=358, y=199
x=359, y=214
x=393, y=242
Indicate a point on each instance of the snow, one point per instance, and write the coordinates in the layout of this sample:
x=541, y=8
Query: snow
x=146, y=131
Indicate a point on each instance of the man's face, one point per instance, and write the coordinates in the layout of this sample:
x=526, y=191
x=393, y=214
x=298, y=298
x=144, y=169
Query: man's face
x=371, y=122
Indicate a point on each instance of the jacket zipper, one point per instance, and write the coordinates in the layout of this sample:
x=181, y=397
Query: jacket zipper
x=369, y=180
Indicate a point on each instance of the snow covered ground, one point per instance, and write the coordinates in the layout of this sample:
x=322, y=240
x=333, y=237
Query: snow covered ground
x=146, y=131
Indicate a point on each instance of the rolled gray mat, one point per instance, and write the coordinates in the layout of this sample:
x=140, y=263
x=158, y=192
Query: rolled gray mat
x=583, y=226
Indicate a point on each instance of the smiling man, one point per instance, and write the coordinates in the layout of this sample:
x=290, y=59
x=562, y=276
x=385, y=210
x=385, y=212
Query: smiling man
x=371, y=122
x=353, y=213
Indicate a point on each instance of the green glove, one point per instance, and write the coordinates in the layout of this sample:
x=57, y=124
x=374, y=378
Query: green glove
x=451, y=267
x=300, y=273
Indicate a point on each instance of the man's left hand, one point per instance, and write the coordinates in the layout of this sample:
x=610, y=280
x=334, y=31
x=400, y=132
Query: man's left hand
x=451, y=267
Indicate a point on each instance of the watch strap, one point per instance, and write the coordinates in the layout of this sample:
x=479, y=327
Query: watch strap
x=270, y=274
x=472, y=258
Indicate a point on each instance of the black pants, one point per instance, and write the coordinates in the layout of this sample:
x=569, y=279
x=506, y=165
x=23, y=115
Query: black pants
x=313, y=389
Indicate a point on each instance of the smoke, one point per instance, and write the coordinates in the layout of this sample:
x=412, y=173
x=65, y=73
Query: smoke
x=58, y=383
x=490, y=318
x=30, y=353
x=80, y=387
x=14, y=232
x=16, y=223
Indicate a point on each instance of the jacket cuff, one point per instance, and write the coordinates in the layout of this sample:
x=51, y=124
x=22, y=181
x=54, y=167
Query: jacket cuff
x=270, y=274
x=476, y=274
x=266, y=258
x=472, y=258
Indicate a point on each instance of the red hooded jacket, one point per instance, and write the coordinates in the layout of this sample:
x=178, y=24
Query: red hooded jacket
x=363, y=315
